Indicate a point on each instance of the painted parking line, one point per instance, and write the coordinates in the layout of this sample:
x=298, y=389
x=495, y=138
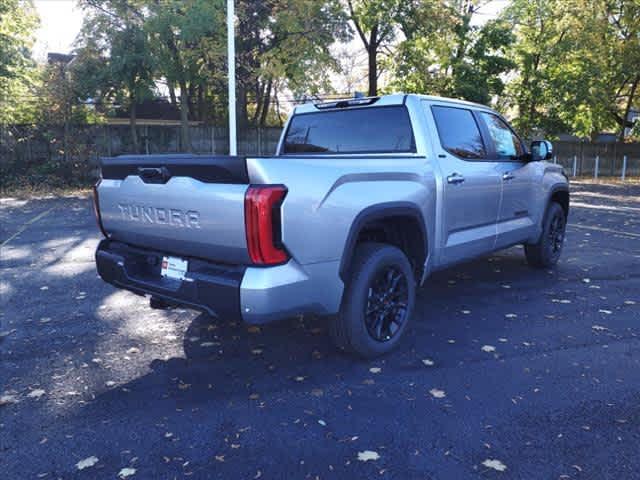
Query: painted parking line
x=605, y=230
x=26, y=225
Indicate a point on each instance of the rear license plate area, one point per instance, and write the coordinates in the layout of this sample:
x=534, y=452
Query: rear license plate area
x=174, y=268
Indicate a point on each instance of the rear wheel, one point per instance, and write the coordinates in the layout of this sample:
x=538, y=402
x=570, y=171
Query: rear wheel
x=377, y=303
x=546, y=252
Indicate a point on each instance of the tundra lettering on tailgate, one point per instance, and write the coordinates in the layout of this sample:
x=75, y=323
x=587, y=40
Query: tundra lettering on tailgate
x=160, y=215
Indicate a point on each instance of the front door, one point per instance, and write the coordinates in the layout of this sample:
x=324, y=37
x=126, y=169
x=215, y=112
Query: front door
x=515, y=222
x=471, y=184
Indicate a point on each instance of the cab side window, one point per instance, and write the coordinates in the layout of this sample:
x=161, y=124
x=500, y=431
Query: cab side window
x=459, y=132
x=507, y=144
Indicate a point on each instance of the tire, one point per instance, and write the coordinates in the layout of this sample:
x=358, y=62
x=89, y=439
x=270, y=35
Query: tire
x=546, y=252
x=378, y=301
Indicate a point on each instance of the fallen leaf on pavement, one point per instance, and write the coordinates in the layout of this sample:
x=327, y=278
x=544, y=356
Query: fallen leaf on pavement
x=437, y=393
x=87, y=462
x=9, y=332
x=126, y=472
x=368, y=455
x=495, y=464
x=36, y=393
x=8, y=399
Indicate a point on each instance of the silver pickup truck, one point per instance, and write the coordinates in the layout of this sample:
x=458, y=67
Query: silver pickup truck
x=363, y=199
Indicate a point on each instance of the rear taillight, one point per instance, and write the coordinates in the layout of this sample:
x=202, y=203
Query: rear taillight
x=96, y=209
x=262, y=224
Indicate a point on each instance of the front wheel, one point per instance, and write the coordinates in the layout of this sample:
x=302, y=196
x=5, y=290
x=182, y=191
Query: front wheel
x=546, y=252
x=378, y=301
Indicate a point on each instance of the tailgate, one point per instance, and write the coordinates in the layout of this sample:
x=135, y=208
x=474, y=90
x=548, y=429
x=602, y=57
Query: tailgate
x=189, y=205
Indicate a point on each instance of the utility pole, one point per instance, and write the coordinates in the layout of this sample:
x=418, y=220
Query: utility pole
x=231, y=62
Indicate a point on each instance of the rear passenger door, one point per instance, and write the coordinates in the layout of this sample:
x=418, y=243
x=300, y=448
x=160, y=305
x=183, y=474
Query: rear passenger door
x=515, y=222
x=471, y=183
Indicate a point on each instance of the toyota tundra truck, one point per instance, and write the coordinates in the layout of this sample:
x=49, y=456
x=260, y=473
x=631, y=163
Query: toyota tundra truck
x=362, y=201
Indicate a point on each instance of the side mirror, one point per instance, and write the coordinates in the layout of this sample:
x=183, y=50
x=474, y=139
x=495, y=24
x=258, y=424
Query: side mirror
x=541, y=150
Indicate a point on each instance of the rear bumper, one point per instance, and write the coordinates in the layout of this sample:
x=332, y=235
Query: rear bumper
x=209, y=287
x=256, y=294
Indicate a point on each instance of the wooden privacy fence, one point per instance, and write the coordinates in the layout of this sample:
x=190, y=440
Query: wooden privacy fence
x=72, y=155
x=613, y=159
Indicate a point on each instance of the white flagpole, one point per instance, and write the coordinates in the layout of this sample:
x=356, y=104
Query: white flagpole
x=231, y=61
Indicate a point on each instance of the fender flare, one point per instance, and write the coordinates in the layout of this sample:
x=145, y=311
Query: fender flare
x=555, y=188
x=378, y=212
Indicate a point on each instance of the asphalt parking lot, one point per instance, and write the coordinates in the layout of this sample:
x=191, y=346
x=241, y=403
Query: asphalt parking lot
x=508, y=372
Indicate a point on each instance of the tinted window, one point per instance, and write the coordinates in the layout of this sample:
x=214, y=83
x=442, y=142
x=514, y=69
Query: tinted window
x=459, y=132
x=364, y=130
x=507, y=144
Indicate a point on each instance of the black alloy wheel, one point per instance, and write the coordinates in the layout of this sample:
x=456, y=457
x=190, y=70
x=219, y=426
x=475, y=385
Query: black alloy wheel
x=377, y=303
x=387, y=301
x=556, y=234
x=546, y=252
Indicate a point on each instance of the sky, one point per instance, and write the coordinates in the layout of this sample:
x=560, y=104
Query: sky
x=60, y=22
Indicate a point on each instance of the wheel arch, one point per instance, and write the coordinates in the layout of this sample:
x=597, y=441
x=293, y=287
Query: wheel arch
x=560, y=195
x=397, y=223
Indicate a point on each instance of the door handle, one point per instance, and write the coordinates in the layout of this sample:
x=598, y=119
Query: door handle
x=455, y=178
x=508, y=176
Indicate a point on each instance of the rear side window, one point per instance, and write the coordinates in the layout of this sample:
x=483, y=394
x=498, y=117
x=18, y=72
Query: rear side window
x=507, y=144
x=363, y=130
x=459, y=132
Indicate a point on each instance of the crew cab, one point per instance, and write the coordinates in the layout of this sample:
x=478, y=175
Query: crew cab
x=363, y=199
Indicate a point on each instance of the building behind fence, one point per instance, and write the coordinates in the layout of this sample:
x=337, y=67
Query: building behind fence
x=46, y=151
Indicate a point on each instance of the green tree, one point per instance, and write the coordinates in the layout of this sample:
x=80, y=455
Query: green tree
x=179, y=33
x=577, y=64
x=375, y=22
x=128, y=47
x=444, y=53
x=624, y=19
x=114, y=61
x=538, y=38
x=284, y=43
x=18, y=22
